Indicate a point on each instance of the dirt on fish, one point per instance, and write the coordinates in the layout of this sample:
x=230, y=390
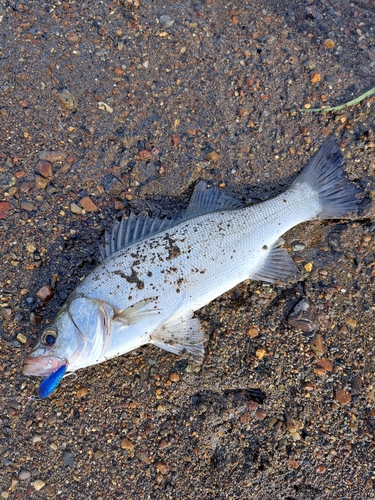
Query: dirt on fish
x=117, y=107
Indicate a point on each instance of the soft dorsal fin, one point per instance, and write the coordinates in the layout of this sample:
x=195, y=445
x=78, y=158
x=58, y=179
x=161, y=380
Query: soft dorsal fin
x=134, y=229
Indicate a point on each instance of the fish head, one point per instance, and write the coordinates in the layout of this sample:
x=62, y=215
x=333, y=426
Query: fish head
x=76, y=338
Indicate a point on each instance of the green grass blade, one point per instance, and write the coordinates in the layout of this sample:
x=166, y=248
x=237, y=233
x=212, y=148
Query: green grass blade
x=342, y=106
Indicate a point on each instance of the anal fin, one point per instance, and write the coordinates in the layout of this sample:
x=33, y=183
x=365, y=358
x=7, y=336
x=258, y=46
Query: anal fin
x=277, y=265
x=181, y=334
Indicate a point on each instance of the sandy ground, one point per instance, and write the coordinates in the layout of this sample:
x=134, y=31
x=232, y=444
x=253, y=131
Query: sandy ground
x=120, y=106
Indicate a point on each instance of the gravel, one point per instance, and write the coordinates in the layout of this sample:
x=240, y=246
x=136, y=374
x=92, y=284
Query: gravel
x=113, y=107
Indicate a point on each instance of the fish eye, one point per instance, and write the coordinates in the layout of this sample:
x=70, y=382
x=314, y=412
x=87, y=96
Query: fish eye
x=48, y=337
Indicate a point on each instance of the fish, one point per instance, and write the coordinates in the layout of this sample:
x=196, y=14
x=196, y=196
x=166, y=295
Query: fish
x=155, y=273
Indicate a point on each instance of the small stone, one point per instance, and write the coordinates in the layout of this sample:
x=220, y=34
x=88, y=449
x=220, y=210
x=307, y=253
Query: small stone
x=159, y=478
x=88, y=204
x=98, y=454
x=329, y=43
x=51, y=419
x=103, y=106
x=4, y=209
x=302, y=316
x=315, y=78
x=356, y=384
x=24, y=475
x=343, y=397
x=82, y=392
x=6, y=313
x=44, y=168
x=293, y=464
x=175, y=140
x=243, y=112
x=112, y=185
x=21, y=338
x=67, y=100
x=325, y=364
x=68, y=458
x=308, y=267
x=174, y=377
x=75, y=209
x=291, y=424
x=144, y=154
x=298, y=247
x=260, y=353
x=40, y=182
x=126, y=444
x=36, y=438
x=28, y=206
x=52, y=156
x=261, y=414
x=166, y=22
x=316, y=344
x=320, y=469
x=45, y=293
x=162, y=467
x=244, y=418
x=308, y=386
x=213, y=156
x=38, y=484
x=253, y=332
x=351, y=322
x=4, y=494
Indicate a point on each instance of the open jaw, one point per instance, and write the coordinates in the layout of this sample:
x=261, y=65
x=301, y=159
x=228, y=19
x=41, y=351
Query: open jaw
x=42, y=366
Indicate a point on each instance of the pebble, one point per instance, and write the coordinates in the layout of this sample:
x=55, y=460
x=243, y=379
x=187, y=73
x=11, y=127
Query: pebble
x=30, y=301
x=261, y=414
x=52, y=156
x=68, y=458
x=302, y=316
x=24, y=475
x=112, y=185
x=45, y=293
x=253, y=332
x=36, y=438
x=174, y=377
x=298, y=247
x=38, y=484
x=44, y=168
x=351, y=322
x=308, y=267
x=315, y=78
x=40, y=182
x=166, y=21
x=28, y=206
x=6, y=313
x=325, y=364
x=82, y=392
x=4, y=494
x=21, y=338
x=4, y=209
x=260, y=353
x=343, y=397
x=316, y=344
x=88, y=204
x=51, y=419
x=162, y=467
x=320, y=469
x=7, y=180
x=75, y=209
x=329, y=43
x=67, y=100
x=126, y=444
x=214, y=156
x=98, y=454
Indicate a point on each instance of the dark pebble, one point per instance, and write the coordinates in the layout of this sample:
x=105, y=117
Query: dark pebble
x=68, y=458
x=30, y=301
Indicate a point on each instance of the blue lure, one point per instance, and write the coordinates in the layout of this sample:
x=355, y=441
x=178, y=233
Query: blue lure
x=49, y=384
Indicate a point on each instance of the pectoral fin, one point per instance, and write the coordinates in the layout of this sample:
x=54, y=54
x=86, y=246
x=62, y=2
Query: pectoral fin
x=181, y=334
x=137, y=312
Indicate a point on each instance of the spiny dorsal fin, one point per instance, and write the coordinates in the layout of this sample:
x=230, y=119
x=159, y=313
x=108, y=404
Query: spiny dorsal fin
x=134, y=229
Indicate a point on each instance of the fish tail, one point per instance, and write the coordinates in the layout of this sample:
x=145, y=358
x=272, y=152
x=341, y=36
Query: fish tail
x=325, y=176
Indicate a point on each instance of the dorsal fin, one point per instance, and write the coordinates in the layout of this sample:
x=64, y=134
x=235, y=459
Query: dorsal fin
x=134, y=229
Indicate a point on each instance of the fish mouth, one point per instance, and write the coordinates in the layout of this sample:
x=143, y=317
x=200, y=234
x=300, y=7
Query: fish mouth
x=42, y=366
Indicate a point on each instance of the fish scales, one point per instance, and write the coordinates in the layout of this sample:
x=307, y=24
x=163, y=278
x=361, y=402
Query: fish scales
x=155, y=273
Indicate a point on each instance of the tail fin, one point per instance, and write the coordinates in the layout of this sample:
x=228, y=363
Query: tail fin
x=325, y=175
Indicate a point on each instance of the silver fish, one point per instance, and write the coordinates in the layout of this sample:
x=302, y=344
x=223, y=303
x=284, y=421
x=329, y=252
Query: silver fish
x=156, y=273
